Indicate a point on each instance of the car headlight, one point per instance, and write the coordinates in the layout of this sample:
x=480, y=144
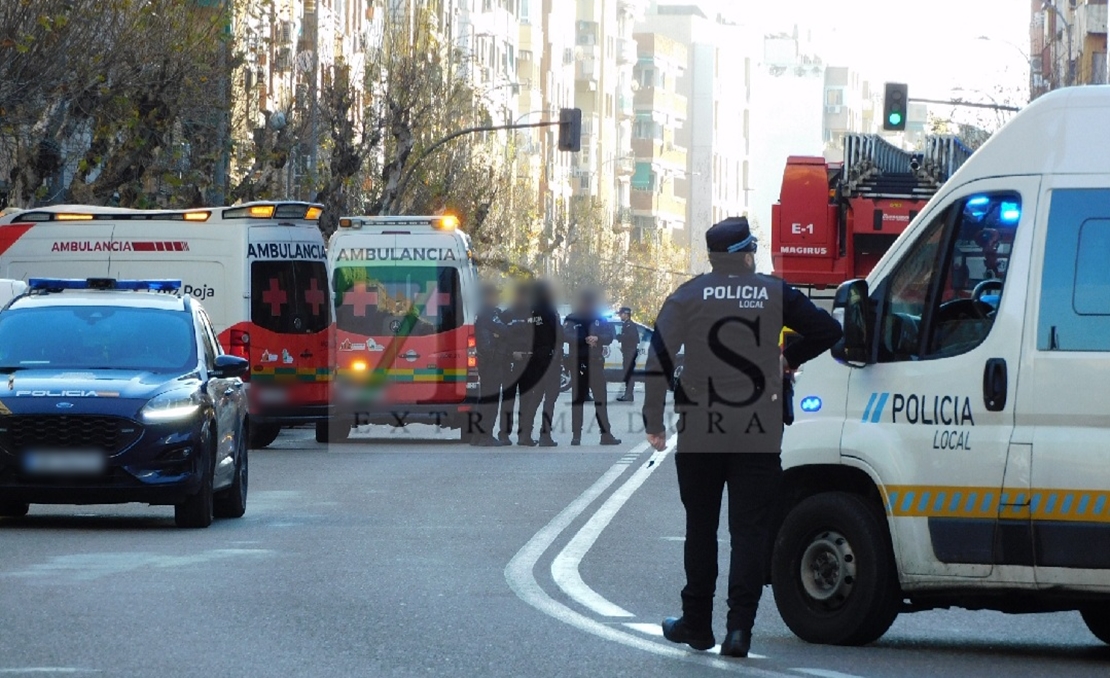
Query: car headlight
x=172, y=406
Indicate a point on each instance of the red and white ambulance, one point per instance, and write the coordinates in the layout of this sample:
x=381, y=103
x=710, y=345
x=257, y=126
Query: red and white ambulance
x=260, y=269
x=405, y=303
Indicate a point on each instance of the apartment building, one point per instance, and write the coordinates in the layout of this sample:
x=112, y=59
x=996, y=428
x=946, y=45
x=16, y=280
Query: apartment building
x=604, y=55
x=291, y=50
x=659, y=189
x=715, y=134
x=1067, y=44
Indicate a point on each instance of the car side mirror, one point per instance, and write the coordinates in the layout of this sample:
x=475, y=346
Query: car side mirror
x=856, y=347
x=230, y=366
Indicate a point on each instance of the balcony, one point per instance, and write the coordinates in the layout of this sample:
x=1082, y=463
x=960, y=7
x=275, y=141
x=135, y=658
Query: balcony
x=586, y=69
x=626, y=51
x=652, y=203
x=626, y=166
x=1091, y=18
x=659, y=100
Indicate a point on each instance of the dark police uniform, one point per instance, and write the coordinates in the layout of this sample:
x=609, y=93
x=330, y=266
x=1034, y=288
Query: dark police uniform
x=539, y=382
x=518, y=339
x=629, y=339
x=588, y=369
x=490, y=343
x=729, y=402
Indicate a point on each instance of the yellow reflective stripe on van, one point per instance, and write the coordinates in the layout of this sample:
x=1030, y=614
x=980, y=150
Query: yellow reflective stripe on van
x=942, y=501
x=299, y=374
x=410, y=375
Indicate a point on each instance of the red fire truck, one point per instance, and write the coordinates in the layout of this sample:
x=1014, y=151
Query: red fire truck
x=834, y=221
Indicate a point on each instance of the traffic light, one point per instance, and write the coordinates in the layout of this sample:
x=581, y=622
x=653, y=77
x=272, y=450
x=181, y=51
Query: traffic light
x=570, y=129
x=894, y=106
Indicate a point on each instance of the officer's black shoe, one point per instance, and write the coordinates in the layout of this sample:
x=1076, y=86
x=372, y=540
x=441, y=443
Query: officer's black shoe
x=503, y=438
x=676, y=630
x=576, y=441
x=526, y=441
x=610, y=439
x=737, y=644
x=625, y=399
x=547, y=441
x=485, y=441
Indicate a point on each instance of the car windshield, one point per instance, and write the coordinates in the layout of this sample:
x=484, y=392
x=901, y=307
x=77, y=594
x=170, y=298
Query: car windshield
x=97, y=337
x=389, y=300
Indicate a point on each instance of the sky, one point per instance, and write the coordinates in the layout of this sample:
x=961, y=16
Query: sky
x=934, y=46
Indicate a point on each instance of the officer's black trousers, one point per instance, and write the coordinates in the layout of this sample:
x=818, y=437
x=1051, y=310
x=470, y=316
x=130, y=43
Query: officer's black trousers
x=510, y=389
x=490, y=373
x=589, y=378
x=753, y=482
x=629, y=366
x=540, y=385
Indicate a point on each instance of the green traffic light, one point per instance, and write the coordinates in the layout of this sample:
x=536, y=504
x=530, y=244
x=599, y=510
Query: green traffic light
x=895, y=119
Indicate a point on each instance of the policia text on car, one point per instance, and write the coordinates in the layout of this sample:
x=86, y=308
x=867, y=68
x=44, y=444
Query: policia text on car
x=730, y=405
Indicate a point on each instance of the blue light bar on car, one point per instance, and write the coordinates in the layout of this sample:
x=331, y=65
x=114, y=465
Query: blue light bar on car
x=103, y=284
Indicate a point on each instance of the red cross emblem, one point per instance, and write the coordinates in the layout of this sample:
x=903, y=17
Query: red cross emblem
x=275, y=297
x=315, y=297
x=435, y=300
x=360, y=298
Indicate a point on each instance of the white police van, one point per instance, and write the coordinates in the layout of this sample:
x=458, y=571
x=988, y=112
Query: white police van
x=952, y=452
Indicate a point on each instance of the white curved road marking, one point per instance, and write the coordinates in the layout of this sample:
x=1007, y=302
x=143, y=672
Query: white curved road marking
x=564, y=568
x=520, y=575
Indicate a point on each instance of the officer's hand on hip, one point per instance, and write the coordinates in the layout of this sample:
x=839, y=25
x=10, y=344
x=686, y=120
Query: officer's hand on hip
x=657, y=440
x=591, y=340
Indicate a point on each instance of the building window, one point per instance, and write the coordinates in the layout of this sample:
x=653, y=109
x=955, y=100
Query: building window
x=643, y=179
x=834, y=97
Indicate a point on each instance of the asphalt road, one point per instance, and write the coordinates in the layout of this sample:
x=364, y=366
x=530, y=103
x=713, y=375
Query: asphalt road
x=404, y=553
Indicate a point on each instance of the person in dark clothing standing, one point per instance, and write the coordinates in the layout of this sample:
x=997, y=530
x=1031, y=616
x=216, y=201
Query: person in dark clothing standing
x=490, y=342
x=539, y=382
x=629, y=339
x=518, y=339
x=587, y=334
x=730, y=405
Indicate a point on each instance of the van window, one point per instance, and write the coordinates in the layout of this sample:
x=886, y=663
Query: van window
x=943, y=297
x=397, y=300
x=1075, y=286
x=290, y=297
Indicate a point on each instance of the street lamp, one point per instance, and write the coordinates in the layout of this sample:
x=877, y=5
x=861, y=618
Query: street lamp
x=1048, y=4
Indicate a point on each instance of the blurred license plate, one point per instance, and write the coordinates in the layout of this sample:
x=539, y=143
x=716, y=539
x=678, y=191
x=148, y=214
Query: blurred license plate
x=67, y=462
x=271, y=396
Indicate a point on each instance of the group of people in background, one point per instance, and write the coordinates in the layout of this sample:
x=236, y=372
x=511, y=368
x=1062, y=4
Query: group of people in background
x=520, y=351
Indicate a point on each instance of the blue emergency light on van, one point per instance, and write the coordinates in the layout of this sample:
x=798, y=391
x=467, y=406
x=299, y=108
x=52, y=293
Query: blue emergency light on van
x=58, y=284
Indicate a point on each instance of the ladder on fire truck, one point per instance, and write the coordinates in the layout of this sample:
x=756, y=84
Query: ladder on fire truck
x=834, y=221
x=875, y=168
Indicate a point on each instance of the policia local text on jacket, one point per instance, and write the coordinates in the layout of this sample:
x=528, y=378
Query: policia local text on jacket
x=730, y=405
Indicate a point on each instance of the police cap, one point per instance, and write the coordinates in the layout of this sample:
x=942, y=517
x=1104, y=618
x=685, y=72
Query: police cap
x=625, y=309
x=731, y=235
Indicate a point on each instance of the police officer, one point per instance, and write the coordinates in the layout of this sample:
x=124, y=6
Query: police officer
x=587, y=334
x=729, y=401
x=490, y=334
x=518, y=342
x=629, y=339
x=539, y=382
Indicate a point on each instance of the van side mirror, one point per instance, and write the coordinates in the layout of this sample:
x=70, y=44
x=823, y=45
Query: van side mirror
x=856, y=347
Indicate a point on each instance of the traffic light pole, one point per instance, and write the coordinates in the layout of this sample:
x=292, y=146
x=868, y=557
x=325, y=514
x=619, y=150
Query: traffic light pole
x=460, y=133
x=969, y=104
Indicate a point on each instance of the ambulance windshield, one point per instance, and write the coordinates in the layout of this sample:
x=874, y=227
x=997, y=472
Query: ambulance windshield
x=388, y=300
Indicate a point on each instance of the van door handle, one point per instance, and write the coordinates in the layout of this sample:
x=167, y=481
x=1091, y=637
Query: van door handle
x=995, y=385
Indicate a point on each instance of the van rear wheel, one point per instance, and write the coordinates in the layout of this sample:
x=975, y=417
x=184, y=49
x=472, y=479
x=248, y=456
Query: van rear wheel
x=1097, y=619
x=833, y=571
x=261, y=435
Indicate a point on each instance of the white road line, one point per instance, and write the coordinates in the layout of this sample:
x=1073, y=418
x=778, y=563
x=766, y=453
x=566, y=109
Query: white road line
x=825, y=673
x=520, y=575
x=564, y=568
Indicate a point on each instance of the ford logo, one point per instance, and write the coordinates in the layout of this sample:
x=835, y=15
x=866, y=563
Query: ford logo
x=63, y=405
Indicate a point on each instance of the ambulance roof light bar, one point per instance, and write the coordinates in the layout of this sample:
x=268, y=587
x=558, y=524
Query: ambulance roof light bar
x=59, y=284
x=275, y=210
x=40, y=215
x=445, y=222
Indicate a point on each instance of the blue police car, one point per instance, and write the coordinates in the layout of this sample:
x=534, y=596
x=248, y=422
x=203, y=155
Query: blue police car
x=115, y=391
